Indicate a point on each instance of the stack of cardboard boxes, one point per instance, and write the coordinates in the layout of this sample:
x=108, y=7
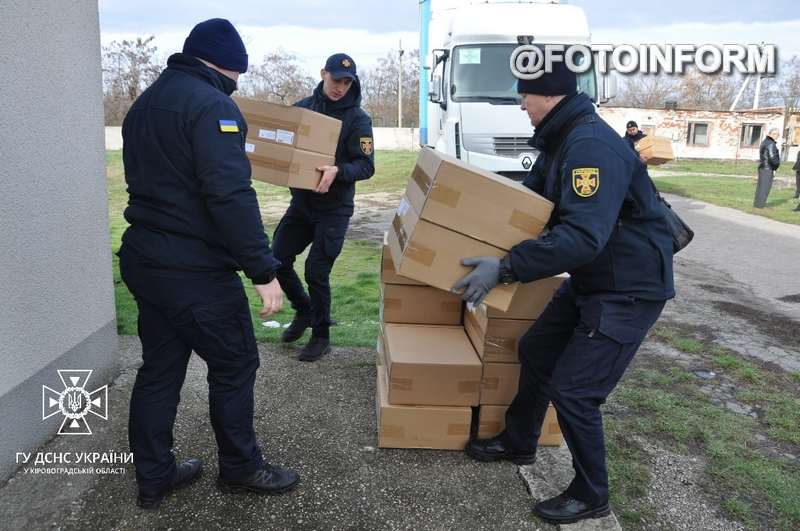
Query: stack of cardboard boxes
x=439, y=381
x=286, y=145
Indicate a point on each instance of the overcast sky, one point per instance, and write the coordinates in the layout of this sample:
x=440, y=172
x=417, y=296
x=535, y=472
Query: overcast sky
x=313, y=29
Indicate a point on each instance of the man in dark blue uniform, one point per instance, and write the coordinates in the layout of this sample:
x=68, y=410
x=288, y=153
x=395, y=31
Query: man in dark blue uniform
x=608, y=232
x=320, y=217
x=194, y=222
x=633, y=134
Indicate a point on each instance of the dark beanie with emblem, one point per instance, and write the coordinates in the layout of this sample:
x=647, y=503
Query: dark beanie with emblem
x=561, y=81
x=218, y=42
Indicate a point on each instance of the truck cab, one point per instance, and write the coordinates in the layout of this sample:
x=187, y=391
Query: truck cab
x=471, y=108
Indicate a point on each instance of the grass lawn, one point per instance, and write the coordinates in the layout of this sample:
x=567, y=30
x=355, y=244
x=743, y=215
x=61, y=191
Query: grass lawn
x=724, y=167
x=354, y=278
x=733, y=192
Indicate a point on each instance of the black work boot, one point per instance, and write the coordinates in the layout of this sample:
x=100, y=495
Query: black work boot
x=495, y=449
x=316, y=348
x=269, y=479
x=564, y=509
x=186, y=473
x=298, y=327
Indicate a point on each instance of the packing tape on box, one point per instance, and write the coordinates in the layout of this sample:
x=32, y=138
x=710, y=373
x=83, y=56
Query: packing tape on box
x=491, y=384
x=420, y=254
x=501, y=343
x=451, y=307
x=468, y=387
x=275, y=164
x=422, y=180
x=445, y=195
x=402, y=239
x=525, y=222
x=396, y=432
x=393, y=304
x=458, y=429
x=401, y=384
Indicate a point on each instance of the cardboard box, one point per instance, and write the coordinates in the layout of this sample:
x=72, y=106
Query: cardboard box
x=477, y=203
x=529, y=299
x=388, y=276
x=419, y=305
x=432, y=427
x=655, y=149
x=499, y=383
x=431, y=365
x=495, y=340
x=284, y=165
x=432, y=254
x=290, y=126
x=492, y=420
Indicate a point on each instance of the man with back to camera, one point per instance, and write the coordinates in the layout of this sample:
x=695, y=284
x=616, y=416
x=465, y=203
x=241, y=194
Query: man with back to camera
x=769, y=159
x=194, y=222
x=608, y=231
x=320, y=217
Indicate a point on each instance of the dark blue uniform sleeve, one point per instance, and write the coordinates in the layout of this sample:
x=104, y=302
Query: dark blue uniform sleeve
x=359, y=163
x=593, y=183
x=536, y=177
x=224, y=173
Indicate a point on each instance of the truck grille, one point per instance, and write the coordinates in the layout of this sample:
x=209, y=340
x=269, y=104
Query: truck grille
x=511, y=146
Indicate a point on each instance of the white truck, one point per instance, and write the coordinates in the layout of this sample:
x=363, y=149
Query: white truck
x=469, y=107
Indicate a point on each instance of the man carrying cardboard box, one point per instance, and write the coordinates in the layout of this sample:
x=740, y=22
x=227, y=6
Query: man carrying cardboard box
x=632, y=135
x=320, y=218
x=608, y=231
x=195, y=222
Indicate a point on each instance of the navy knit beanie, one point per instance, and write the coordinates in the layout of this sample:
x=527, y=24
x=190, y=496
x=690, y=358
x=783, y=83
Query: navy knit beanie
x=561, y=81
x=218, y=42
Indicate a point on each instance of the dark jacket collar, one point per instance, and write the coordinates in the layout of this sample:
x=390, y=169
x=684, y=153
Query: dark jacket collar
x=351, y=99
x=569, y=109
x=195, y=68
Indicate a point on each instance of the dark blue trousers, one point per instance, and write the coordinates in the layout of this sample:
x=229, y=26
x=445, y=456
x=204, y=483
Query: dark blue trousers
x=573, y=356
x=325, y=232
x=181, y=312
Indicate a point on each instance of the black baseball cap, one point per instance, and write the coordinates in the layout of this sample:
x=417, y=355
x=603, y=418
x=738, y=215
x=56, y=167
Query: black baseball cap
x=632, y=124
x=341, y=65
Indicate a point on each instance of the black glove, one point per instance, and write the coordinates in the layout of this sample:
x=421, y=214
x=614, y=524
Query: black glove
x=479, y=281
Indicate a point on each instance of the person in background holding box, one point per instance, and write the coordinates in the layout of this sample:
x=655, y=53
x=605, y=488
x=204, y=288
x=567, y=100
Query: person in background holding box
x=195, y=221
x=632, y=135
x=608, y=231
x=320, y=218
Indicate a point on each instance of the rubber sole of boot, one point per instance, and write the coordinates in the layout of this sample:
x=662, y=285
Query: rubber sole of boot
x=598, y=512
x=490, y=458
x=241, y=489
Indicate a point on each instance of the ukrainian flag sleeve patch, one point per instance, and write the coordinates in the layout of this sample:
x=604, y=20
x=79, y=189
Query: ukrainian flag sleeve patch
x=228, y=126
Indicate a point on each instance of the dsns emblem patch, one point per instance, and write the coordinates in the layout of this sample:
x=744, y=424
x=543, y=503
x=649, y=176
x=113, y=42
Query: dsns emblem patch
x=366, y=145
x=585, y=181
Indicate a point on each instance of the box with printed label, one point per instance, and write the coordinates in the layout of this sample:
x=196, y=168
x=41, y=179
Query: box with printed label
x=431, y=365
x=284, y=165
x=419, y=305
x=474, y=202
x=492, y=420
x=432, y=254
x=430, y=427
x=499, y=383
x=495, y=340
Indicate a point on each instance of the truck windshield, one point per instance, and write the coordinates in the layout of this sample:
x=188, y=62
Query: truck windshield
x=481, y=73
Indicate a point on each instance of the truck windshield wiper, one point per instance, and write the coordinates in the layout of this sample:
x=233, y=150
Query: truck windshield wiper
x=494, y=100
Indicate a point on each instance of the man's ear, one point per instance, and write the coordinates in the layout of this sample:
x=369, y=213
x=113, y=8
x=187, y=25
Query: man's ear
x=322, y=73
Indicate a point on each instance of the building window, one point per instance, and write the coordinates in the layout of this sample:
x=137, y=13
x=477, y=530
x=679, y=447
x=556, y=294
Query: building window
x=751, y=135
x=698, y=134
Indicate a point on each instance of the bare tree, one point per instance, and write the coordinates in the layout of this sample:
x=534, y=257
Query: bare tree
x=128, y=68
x=784, y=89
x=279, y=79
x=380, y=90
x=696, y=90
x=647, y=91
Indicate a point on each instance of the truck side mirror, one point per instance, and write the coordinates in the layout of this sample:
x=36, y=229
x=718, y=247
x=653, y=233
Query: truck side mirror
x=435, y=89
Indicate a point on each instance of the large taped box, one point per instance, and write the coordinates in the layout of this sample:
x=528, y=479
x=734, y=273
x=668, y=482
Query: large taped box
x=284, y=165
x=290, y=126
x=499, y=383
x=477, y=203
x=432, y=254
x=388, y=276
x=530, y=299
x=492, y=420
x=419, y=305
x=431, y=365
x=431, y=427
x=655, y=149
x=495, y=340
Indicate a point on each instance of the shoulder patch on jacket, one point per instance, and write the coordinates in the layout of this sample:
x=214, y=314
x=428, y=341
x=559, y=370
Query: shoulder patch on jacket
x=228, y=126
x=585, y=181
x=366, y=145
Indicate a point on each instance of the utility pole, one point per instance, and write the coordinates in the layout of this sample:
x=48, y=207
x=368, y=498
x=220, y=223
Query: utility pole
x=400, y=85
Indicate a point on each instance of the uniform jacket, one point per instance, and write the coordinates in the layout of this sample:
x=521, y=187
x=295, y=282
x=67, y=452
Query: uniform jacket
x=607, y=228
x=191, y=205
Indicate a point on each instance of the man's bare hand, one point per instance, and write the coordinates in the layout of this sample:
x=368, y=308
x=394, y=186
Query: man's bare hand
x=328, y=176
x=271, y=297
